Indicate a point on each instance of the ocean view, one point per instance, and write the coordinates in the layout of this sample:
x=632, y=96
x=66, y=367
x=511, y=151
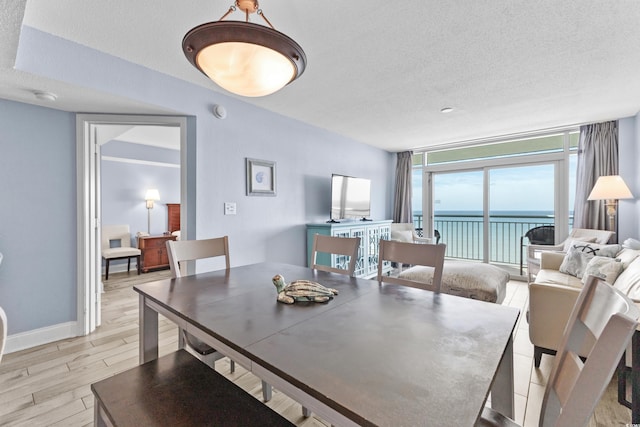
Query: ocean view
x=462, y=231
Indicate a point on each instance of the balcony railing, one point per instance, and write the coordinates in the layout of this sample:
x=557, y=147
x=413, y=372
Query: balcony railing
x=463, y=235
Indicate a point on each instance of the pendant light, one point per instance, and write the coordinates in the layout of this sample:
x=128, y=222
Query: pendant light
x=242, y=57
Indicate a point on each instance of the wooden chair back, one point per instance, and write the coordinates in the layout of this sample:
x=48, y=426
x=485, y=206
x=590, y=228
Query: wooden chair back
x=425, y=254
x=190, y=250
x=346, y=246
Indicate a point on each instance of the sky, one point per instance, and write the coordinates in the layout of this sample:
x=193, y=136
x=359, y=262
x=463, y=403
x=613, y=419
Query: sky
x=522, y=188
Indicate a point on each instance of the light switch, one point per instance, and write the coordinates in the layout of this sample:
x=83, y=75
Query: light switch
x=229, y=208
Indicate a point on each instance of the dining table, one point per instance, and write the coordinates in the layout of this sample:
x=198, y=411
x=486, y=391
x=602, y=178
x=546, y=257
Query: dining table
x=376, y=354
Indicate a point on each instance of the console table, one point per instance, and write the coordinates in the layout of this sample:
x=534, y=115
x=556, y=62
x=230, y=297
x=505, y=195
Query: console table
x=154, y=252
x=370, y=233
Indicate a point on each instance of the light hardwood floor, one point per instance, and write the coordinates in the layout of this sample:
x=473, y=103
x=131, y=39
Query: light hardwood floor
x=50, y=385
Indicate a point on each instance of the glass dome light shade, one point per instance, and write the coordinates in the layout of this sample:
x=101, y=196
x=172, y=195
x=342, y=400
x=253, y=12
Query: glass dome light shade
x=244, y=58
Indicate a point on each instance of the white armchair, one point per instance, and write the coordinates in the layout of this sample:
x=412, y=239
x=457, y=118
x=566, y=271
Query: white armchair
x=406, y=232
x=585, y=234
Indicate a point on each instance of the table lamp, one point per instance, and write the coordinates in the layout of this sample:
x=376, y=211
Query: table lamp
x=150, y=196
x=610, y=188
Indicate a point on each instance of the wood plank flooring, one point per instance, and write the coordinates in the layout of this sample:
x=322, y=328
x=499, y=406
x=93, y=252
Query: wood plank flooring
x=50, y=385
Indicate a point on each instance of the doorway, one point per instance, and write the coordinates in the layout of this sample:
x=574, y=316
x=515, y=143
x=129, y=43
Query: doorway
x=91, y=132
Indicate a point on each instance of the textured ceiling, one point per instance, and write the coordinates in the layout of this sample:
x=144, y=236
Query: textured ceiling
x=378, y=71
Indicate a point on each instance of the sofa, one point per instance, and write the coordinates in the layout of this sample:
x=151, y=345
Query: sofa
x=555, y=289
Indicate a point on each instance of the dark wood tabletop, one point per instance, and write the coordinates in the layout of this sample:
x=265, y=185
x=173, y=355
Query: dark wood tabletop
x=377, y=355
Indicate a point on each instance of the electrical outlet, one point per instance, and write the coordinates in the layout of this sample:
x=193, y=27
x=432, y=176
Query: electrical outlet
x=229, y=208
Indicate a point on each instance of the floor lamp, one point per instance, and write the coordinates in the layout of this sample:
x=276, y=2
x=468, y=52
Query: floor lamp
x=151, y=196
x=610, y=188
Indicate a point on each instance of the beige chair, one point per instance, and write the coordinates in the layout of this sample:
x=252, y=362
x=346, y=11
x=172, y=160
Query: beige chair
x=345, y=246
x=588, y=235
x=180, y=251
x=426, y=254
x=3, y=331
x=113, y=234
x=600, y=327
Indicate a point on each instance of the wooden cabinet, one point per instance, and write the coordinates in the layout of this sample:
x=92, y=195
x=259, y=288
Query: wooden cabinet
x=173, y=217
x=154, y=252
x=370, y=233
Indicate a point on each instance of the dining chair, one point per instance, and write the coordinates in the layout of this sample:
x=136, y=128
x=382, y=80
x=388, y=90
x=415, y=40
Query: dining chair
x=424, y=254
x=345, y=246
x=180, y=251
x=601, y=325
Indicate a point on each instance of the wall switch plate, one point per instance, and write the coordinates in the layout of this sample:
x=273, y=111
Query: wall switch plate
x=229, y=208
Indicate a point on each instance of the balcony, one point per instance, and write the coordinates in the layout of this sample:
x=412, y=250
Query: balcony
x=463, y=235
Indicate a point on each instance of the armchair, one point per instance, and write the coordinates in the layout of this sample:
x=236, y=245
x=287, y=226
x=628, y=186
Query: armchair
x=118, y=233
x=588, y=235
x=406, y=232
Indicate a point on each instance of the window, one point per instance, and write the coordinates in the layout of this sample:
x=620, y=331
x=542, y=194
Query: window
x=483, y=198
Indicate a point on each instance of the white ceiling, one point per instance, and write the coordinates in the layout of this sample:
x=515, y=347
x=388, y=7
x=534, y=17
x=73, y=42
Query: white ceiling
x=378, y=71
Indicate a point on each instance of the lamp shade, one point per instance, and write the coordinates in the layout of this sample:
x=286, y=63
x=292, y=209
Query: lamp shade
x=611, y=187
x=152, y=194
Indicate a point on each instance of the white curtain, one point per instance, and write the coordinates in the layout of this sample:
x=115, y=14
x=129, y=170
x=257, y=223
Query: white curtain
x=402, y=197
x=597, y=156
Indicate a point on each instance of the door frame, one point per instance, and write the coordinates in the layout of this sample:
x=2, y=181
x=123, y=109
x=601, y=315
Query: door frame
x=89, y=262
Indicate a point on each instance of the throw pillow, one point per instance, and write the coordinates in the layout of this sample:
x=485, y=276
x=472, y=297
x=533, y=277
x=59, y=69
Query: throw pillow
x=402, y=236
x=569, y=242
x=580, y=253
x=626, y=256
x=605, y=268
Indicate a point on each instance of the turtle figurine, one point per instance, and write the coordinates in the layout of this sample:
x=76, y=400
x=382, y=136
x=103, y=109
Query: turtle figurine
x=301, y=291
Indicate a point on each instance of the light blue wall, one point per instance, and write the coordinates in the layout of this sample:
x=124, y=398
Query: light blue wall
x=37, y=216
x=127, y=171
x=629, y=210
x=40, y=291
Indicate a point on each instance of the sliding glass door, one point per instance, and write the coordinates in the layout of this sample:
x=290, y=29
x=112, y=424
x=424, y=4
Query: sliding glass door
x=483, y=199
x=520, y=199
x=458, y=213
x=483, y=215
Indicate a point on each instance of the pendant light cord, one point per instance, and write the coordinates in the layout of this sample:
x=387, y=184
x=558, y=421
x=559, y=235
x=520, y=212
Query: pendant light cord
x=259, y=12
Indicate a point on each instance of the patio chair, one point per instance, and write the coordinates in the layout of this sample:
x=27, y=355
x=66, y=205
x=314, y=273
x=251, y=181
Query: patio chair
x=601, y=325
x=541, y=235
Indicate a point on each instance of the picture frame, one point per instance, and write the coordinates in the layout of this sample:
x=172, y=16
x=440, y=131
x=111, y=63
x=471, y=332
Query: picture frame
x=261, y=177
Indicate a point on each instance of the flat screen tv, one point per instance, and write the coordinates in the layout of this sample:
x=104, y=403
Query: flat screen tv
x=350, y=198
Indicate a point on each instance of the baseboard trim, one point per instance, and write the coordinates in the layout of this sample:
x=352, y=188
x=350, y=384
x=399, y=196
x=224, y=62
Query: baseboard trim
x=36, y=337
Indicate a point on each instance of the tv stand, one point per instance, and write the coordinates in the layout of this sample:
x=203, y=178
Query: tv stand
x=366, y=219
x=370, y=233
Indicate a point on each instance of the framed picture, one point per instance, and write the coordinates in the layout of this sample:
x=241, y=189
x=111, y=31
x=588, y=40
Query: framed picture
x=261, y=177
